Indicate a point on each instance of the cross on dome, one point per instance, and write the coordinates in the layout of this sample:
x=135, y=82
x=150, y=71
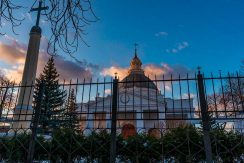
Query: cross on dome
x=135, y=64
x=135, y=48
x=136, y=76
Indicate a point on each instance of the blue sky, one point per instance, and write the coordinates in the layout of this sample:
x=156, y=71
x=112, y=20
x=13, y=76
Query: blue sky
x=213, y=30
x=189, y=33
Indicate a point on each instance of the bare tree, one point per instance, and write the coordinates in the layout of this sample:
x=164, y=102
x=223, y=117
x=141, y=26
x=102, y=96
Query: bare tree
x=233, y=91
x=67, y=18
x=7, y=94
x=8, y=14
x=229, y=99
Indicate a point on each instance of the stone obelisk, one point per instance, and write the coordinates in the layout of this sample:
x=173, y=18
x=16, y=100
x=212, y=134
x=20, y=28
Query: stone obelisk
x=23, y=111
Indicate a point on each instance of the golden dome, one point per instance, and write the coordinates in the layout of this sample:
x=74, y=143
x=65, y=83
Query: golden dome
x=136, y=76
x=135, y=63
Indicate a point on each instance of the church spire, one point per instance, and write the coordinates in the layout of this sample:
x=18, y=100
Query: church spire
x=135, y=64
x=135, y=49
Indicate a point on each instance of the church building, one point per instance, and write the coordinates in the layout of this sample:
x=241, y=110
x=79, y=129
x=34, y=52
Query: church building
x=141, y=106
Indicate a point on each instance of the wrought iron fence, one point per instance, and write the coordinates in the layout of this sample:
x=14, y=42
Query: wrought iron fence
x=172, y=119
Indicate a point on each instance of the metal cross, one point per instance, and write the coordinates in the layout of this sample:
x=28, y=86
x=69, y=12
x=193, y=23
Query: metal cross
x=135, y=48
x=39, y=9
x=136, y=45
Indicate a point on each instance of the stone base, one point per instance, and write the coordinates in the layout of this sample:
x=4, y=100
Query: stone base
x=22, y=117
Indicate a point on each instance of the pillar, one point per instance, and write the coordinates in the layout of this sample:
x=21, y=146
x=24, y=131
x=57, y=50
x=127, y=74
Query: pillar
x=139, y=122
x=23, y=111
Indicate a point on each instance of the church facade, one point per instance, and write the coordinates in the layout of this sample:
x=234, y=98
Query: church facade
x=140, y=105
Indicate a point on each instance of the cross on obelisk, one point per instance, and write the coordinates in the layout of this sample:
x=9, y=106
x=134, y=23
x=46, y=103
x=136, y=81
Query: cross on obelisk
x=23, y=111
x=39, y=9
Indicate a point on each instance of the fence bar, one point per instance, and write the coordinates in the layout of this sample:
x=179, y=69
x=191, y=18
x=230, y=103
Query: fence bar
x=36, y=117
x=113, y=123
x=205, y=119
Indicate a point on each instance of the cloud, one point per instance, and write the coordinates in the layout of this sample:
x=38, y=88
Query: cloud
x=107, y=91
x=28, y=16
x=161, y=34
x=183, y=45
x=179, y=47
x=165, y=71
x=162, y=71
x=151, y=70
x=14, y=73
x=13, y=54
x=186, y=95
x=121, y=72
x=68, y=70
x=167, y=87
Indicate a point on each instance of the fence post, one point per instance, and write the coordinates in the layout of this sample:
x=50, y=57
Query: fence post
x=3, y=101
x=35, y=122
x=113, y=121
x=205, y=119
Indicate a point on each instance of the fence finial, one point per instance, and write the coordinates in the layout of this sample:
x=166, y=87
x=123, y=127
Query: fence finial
x=199, y=69
x=116, y=75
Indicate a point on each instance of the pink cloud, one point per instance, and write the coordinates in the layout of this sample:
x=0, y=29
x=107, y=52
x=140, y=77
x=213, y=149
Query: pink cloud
x=14, y=73
x=121, y=72
x=151, y=70
x=13, y=54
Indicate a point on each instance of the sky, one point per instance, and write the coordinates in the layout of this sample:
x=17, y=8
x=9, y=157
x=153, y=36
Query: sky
x=173, y=36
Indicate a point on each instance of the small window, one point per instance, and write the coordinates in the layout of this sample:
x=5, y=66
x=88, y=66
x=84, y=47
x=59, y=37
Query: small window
x=100, y=120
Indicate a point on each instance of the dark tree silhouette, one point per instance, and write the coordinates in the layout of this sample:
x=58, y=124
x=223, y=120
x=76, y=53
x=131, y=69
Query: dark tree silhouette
x=71, y=118
x=67, y=18
x=53, y=98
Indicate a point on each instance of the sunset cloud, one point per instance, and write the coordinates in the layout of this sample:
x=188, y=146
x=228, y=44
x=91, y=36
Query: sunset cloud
x=13, y=54
x=14, y=73
x=151, y=70
x=68, y=70
x=121, y=72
